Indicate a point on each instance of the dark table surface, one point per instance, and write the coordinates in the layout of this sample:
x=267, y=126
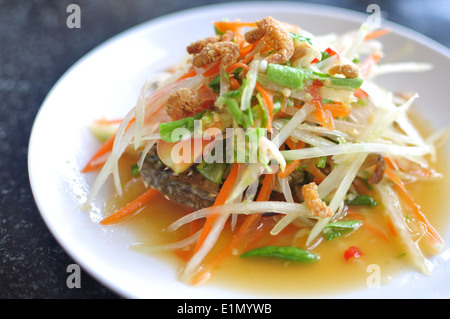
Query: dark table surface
x=36, y=48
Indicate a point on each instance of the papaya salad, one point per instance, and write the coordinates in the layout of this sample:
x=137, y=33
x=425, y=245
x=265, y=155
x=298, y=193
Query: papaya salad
x=265, y=130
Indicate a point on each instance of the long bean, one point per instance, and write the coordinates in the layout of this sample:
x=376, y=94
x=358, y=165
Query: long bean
x=283, y=252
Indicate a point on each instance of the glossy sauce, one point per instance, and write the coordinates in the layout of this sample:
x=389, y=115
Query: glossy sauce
x=382, y=252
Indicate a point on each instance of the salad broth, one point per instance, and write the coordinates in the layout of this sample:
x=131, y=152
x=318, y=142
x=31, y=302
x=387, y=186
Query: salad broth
x=382, y=258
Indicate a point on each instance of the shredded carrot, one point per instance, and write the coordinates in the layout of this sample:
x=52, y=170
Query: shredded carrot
x=360, y=93
x=130, y=208
x=183, y=254
x=268, y=104
x=281, y=114
x=264, y=194
x=245, y=50
x=391, y=227
x=295, y=145
x=352, y=215
x=367, y=226
x=312, y=169
x=294, y=164
x=104, y=149
x=289, y=169
x=399, y=186
x=234, y=84
x=236, y=65
x=224, y=26
x=213, y=70
x=221, y=198
x=370, y=61
x=337, y=109
x=376, y=231
x=376, y=34
x=323, y=116
x=108, y=122
x=191, y=73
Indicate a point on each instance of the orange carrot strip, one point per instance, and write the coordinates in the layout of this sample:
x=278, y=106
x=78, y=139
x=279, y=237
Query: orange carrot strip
x=191, y=73
x=130, y=208
x=289, y=169
x=224, y=26
x=391, y=227
x=268, y=104
x=264, y=194
x=245, y=50
x=337, y=109
x=376, y=34
x=319, y=176
x=234, y=84
x=399, y=186
x=281, y=114
x=224, y=192
x=236, y=65
x=371, y=60
x=212, y=70
x=323, y=116
x=376, y=231
x=360, y=93
x=108, y=122
x=294, y=145
x=367, y=226
x=294, y=164
x=105, y=148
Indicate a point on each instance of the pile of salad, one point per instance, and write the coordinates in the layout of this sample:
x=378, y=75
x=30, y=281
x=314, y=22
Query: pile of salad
x=264, y=123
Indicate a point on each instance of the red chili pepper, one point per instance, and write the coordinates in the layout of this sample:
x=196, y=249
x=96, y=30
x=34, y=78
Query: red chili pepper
x=330, y=51
x=314, y=90
x=315, y=61
x=360, y=94
x=352, y=252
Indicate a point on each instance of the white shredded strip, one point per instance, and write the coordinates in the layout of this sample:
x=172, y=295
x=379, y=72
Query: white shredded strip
x=350, y=148
x=243, y=208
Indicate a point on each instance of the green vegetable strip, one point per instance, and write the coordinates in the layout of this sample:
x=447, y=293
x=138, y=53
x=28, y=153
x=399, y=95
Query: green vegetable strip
x=166, y=129
x=285, y=75
x=234, y=108
x=215, y=84
x=212, y=171
x=284, y=253
x=322, y=162
x=351, y=83
x=135, y=170
x=362, y=200
x=354, y=83
x=262, y=110
x=298, y=37
x=337, y=229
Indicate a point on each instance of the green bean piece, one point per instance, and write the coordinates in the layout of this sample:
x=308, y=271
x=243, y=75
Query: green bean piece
x=285, y=75
x=337, y=229
x=362, y=200
x=283, y=252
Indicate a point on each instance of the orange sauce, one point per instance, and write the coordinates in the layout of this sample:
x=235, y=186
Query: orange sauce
x=383, y=254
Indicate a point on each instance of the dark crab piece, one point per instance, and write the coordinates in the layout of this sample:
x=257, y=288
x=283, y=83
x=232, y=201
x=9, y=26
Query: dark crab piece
x=189, y=188
x=192, y=189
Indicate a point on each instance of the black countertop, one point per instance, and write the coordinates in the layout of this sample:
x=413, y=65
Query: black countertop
x=36, y=48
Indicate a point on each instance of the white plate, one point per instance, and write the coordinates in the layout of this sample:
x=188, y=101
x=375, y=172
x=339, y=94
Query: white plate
x=106, y=82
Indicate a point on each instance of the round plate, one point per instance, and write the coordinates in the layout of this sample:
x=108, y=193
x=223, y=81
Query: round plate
x=106, y=83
